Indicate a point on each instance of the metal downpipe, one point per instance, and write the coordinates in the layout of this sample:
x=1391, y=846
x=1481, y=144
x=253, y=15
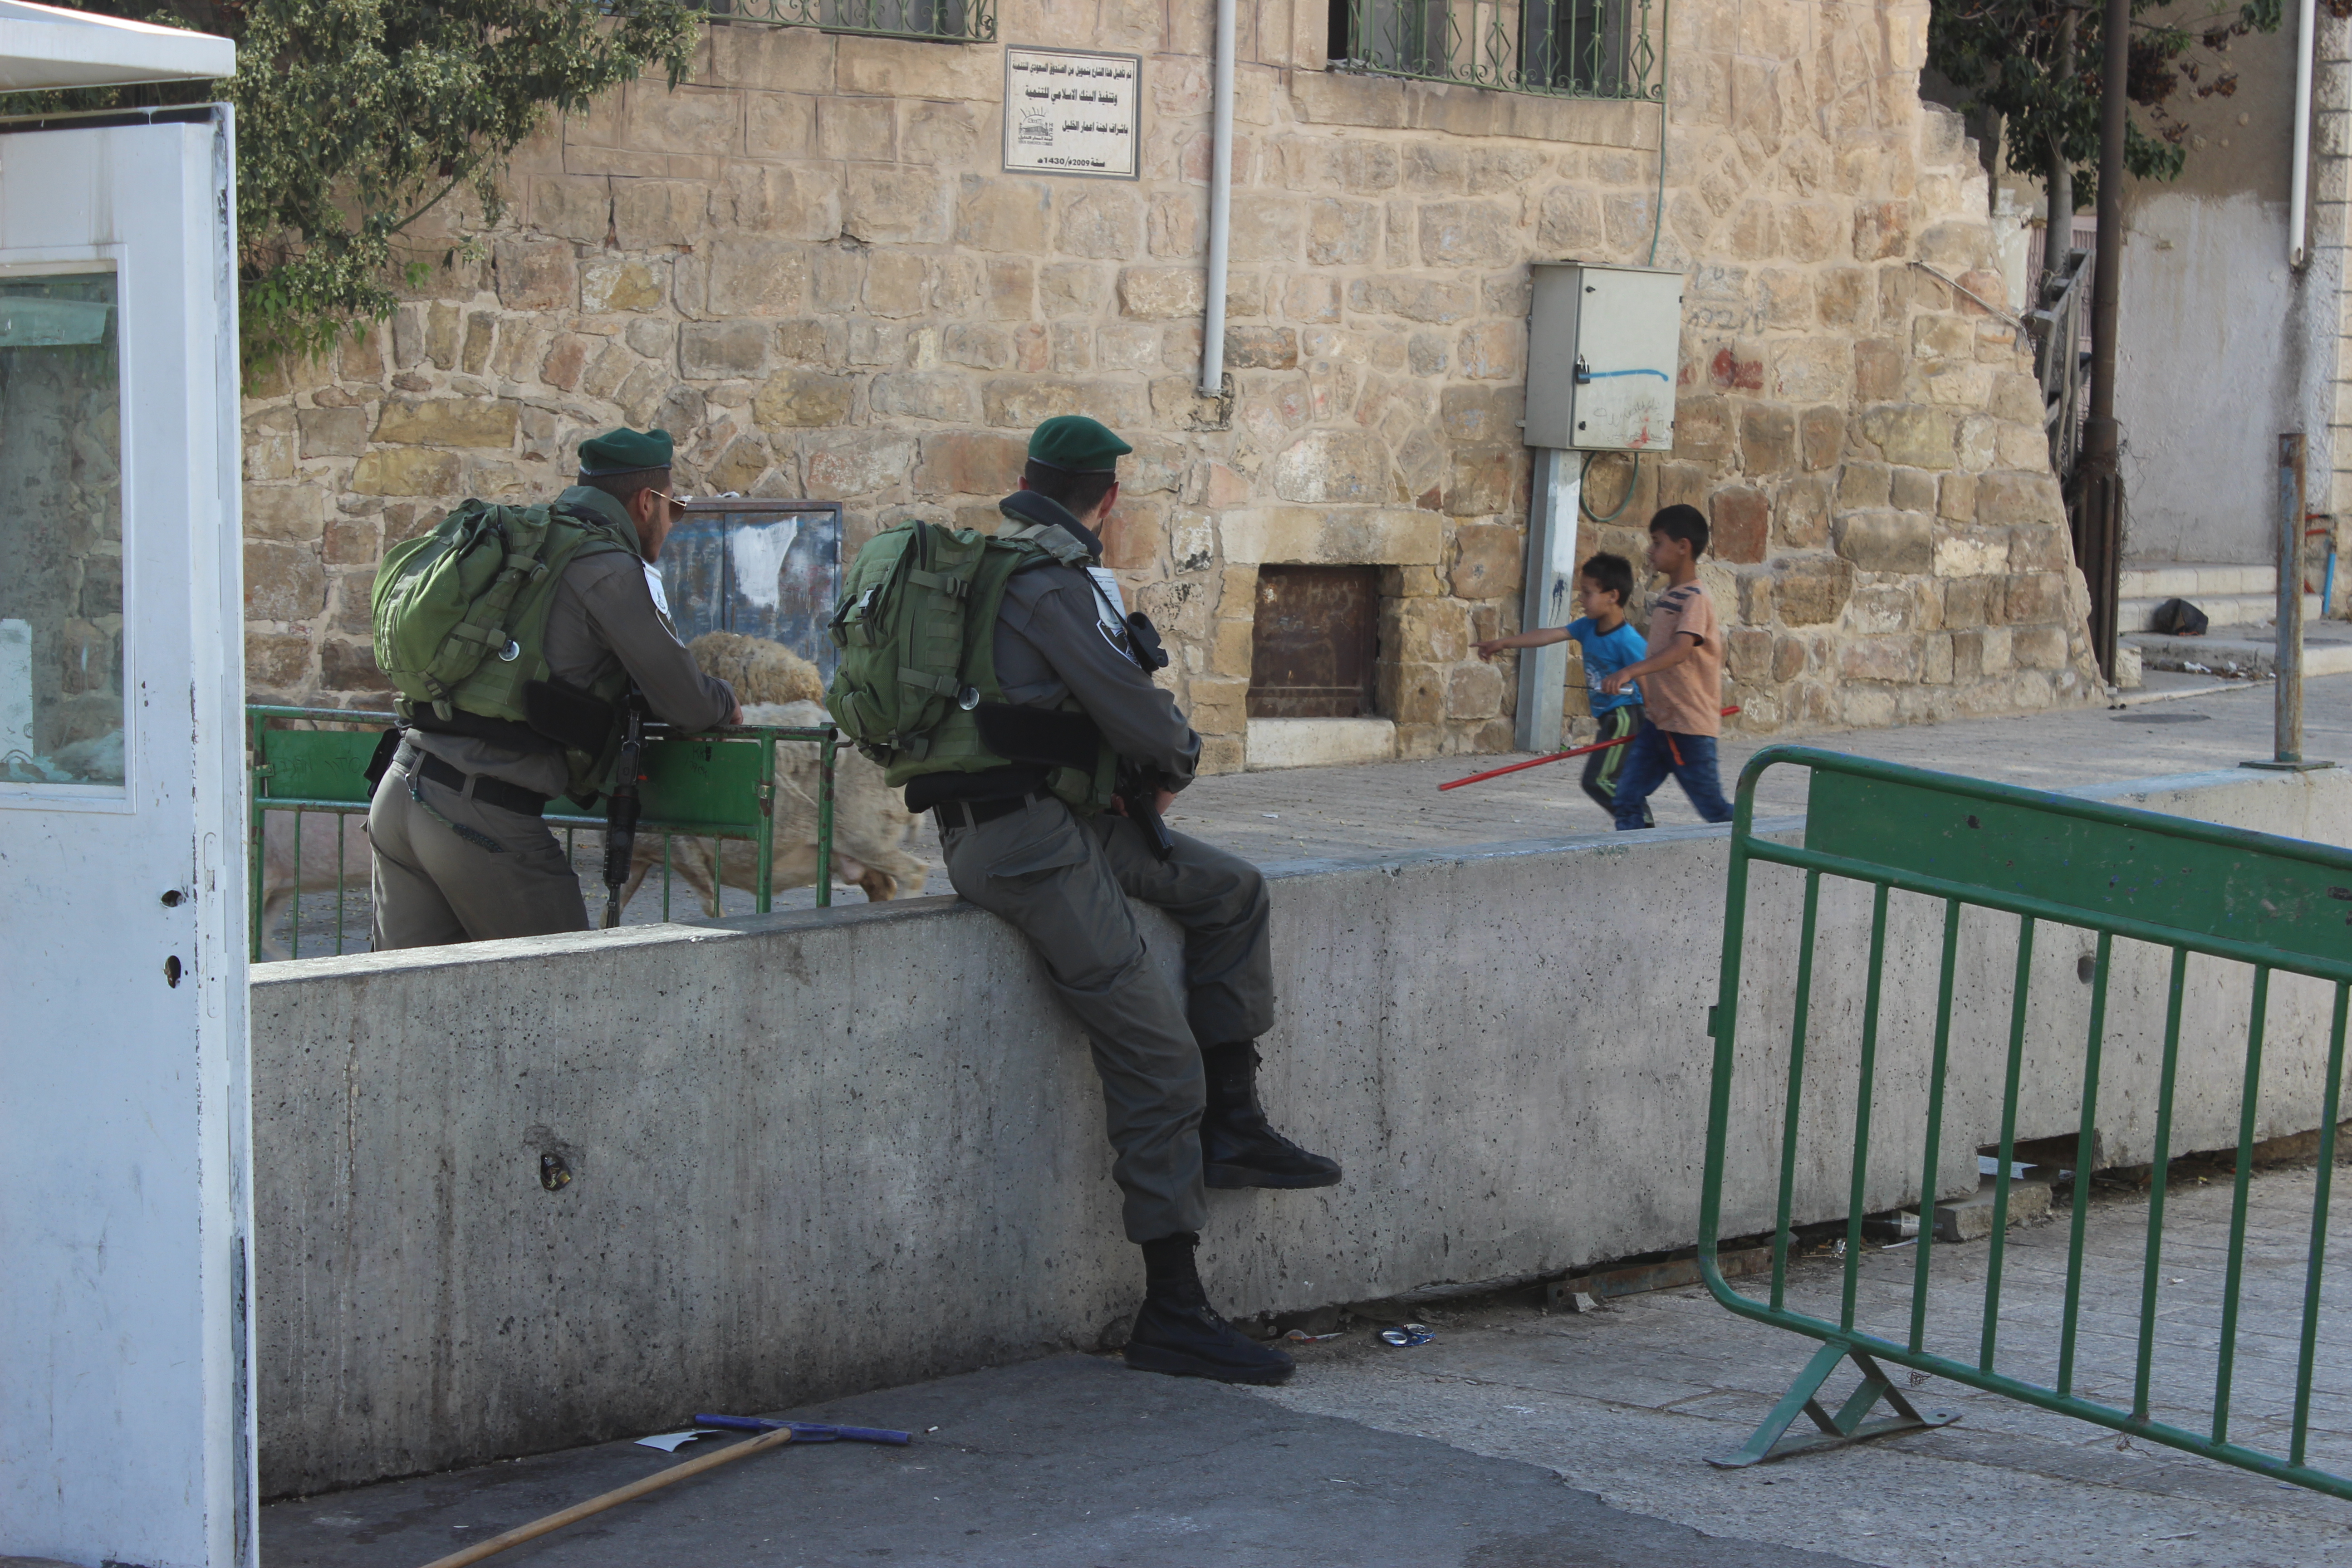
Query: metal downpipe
x=1221, y=206
x=2298, y=200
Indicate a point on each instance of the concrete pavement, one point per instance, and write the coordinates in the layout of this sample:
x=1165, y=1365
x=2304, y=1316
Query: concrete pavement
x=1514, y=1440
x=1626, y=1401
x=1071, y=1462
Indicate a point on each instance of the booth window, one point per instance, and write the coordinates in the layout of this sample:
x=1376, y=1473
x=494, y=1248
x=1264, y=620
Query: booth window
x=61, y=711
x=1315, y=646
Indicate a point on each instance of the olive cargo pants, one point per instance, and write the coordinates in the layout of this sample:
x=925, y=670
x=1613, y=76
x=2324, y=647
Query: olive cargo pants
x=1063, y=882
x=448, y=868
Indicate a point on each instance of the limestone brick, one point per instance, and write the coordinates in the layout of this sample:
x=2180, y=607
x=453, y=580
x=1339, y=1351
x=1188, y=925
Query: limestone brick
x=882, y=204
x=330, y=433
x=441, y=325
x=659, y=212
x=804, y=400
x=788, y=200
x=1480, y=481
x=1886, y=541
x=292, y=514
x=1158, y=294
x=1411, y=297
x=962, y=463
x=1105, y=222
x=758, y=276
x=717, y=349
x=1740, y=524
x=1767, y=438
x=1025, y=402
x=1801, y=517
x=848, y=464
x=573, y=207
x=778, y=124
x=283, y=582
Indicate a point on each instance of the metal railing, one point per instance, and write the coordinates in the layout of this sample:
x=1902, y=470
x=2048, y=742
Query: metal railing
x=712, y=785
x=2184, y=887
x=2061, y=329
x=940, y=21
x=1558, y=48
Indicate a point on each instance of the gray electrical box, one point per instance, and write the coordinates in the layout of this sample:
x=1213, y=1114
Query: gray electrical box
x=1604, y=344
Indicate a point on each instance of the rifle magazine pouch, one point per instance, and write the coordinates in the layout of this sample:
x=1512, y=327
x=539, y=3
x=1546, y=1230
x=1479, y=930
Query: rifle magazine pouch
x=379, y=764
x=1144, y=638
x=575, y=719
x=1043, y=737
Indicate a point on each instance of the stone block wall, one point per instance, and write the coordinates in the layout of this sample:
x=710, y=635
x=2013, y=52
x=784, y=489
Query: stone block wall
x=805, y=264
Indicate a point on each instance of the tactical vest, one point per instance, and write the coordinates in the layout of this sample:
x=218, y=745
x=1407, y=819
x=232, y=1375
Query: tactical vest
x=460, y=622
x=915, y=687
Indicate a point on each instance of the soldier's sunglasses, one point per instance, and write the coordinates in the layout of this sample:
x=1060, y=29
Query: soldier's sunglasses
x=676, y=503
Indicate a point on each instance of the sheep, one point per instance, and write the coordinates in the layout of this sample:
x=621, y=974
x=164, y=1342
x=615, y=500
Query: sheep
x=760, y=670
x=870, y=824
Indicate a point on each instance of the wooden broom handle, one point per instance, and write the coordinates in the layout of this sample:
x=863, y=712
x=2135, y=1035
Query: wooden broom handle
x=637, y=1489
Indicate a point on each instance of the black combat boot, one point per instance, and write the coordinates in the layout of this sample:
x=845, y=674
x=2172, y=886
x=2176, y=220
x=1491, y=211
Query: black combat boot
x=1238, y=1148
x=1178, y=1334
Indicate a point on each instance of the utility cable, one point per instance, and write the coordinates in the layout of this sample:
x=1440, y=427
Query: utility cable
x=1633, y=479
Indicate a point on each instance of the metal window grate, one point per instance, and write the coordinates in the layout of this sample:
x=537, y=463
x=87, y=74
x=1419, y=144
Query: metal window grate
x=1558, y=48
x=1315, y=646
x=940, y=21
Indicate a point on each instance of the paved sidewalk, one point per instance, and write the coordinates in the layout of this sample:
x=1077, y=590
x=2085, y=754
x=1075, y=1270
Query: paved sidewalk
x=1627, y=1399
x=1317, y=813
x=1514, y=1440
x=1071, y=1462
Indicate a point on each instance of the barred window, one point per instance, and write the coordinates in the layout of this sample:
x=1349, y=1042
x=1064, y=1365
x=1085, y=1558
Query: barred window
x=948, y=21
x=1570, y=48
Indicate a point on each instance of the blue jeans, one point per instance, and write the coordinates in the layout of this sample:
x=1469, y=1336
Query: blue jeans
x=1655, y=753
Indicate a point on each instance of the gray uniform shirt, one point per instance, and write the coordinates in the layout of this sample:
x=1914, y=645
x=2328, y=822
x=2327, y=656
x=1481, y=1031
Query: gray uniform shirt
x=604, y=616
x=1051, y=642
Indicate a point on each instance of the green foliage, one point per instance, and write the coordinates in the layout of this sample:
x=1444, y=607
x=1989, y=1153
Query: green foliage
x=355, y=117
x=2007, y=55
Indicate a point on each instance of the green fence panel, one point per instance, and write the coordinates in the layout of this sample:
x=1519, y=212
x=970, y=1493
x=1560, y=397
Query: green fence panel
x=2160, y=871
x=2191, y=889
x=717, y=786
x=318, y=764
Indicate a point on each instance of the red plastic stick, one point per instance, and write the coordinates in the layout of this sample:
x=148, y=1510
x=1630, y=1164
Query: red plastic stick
x=1554, y=757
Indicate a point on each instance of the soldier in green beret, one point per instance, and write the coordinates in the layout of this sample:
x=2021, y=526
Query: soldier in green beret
x=1179, y=1067
x=460, y=852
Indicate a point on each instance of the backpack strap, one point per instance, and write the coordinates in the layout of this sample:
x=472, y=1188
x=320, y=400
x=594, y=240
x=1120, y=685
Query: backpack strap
x=1055, y=539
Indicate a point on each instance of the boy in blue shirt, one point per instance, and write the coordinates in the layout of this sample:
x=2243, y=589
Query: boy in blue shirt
x=1610, y=643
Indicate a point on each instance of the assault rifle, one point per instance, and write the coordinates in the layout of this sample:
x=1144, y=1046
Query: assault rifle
x=1139, y=790
x=621, y=809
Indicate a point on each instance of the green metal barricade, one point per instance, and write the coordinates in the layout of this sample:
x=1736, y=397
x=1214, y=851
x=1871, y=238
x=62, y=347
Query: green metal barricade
x=718, y=785
x=2278, y=906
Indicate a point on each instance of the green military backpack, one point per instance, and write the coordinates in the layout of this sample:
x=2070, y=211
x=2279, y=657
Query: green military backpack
x=461, y=614
x=916, y=685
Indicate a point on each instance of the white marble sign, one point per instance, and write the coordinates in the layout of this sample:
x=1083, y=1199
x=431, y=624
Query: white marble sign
x=1073, y=111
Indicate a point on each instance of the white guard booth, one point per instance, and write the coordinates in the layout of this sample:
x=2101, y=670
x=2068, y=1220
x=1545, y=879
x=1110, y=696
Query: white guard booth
x=125, y=1411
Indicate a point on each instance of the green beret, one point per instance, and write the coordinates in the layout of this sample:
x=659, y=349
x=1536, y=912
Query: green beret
x=623, y=451
x=1077, y=444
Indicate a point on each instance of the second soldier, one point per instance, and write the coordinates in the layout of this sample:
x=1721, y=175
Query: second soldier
x=1058, y=701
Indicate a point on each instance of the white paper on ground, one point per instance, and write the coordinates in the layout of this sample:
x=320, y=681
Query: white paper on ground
x=669, y=1442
